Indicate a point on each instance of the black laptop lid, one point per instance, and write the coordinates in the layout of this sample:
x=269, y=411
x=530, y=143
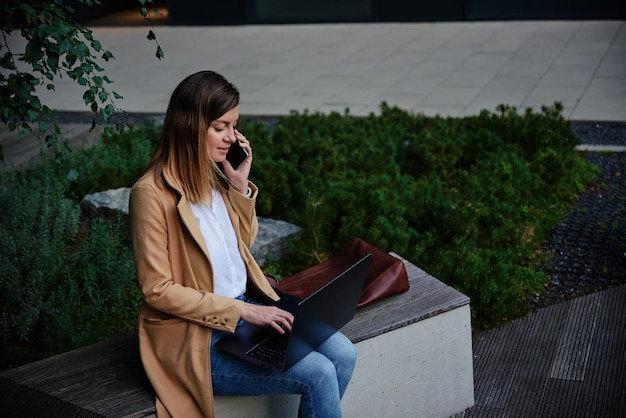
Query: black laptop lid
x=327, y=310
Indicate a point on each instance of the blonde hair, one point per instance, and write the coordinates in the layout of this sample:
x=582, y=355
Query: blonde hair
x=182, y=150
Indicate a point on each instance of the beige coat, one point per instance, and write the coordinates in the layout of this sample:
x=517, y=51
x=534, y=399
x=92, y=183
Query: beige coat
x=180, y=309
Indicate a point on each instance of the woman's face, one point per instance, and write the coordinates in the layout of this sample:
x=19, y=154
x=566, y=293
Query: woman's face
x=221, y=134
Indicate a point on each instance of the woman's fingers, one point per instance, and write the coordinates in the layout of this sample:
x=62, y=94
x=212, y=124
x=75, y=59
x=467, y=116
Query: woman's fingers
x=271, y=316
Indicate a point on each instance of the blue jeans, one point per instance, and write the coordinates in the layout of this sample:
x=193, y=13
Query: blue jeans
x=321, y=378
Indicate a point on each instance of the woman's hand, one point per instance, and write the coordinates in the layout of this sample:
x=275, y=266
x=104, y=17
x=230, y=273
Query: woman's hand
x=271, y=316
x=239, y=178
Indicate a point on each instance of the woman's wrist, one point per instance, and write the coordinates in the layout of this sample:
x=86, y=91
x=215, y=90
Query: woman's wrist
x=245, y=190
x=241, y=188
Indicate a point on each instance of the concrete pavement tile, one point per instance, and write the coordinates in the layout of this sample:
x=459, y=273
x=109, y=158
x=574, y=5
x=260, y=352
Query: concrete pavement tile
x=547, y=95
x=454, y=55
x=434, y=68
x=454, y=96
x=578, y=60
x=604, y=99
x=605, y=110
x=524, y=67
x=420, y=85
x=566, y=77
x=385, y=78
x=489, y=60
x=479, y=77
x=509, y=90
x=611, y=68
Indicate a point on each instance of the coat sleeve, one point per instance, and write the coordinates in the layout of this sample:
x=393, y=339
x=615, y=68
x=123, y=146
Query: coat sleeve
x=165, y=270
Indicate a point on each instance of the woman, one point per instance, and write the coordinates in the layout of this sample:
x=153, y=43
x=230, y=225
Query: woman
x=193, y=222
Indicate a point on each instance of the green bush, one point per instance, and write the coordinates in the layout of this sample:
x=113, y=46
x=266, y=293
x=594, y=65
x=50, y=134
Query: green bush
x=467, y=199
x=115, y=161
x=66, y=281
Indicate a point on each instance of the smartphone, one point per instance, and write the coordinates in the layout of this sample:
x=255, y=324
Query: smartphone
x=236, y=155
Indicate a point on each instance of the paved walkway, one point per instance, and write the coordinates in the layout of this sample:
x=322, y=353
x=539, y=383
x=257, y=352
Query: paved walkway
x=453, y=69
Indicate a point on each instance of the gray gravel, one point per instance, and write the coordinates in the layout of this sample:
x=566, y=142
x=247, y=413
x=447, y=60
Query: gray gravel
x=589, y=247
x=605, y=133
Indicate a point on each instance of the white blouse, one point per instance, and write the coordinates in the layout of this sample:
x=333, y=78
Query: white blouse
x=229, y=271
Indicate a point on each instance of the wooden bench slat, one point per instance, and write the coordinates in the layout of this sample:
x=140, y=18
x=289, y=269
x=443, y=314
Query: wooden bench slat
x=19, y=401
x=425, y=298
x=105, y=377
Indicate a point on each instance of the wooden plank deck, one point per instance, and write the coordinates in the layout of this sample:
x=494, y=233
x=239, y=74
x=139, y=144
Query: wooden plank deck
x=567, y=360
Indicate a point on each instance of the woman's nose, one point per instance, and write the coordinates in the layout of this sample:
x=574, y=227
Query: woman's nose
x=231, y=136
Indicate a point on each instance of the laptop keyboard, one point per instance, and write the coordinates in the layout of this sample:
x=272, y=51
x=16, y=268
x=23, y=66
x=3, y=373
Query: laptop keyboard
x=272, y=349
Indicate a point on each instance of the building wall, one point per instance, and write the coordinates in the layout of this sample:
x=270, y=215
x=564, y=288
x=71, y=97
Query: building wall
x=209, y=12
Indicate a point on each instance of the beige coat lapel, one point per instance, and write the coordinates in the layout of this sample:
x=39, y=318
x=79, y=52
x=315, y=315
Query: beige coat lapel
x=187, y=217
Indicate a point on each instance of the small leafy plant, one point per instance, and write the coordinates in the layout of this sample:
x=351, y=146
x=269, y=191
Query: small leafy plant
x=48, y=47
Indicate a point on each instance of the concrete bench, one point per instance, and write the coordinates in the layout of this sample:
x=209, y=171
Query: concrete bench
x=415, y=359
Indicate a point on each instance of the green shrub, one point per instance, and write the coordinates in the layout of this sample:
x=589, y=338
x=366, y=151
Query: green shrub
x=66, y=281
x=115, y=161
x=467, y=199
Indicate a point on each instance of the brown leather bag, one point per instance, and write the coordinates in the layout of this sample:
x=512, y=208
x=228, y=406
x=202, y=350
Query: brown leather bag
x=385, y=276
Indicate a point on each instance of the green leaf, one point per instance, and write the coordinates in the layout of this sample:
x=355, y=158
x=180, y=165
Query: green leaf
x=159, y=52
x=88, y=97
x=151, y=35
x=27, y=8
x=31, y=115
x=72, y=175
x=7, y=113
x=51, y=140
x=107, y=112
x=107, y=55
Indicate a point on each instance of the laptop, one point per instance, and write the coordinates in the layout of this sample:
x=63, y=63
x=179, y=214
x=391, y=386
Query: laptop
x=315, y=319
